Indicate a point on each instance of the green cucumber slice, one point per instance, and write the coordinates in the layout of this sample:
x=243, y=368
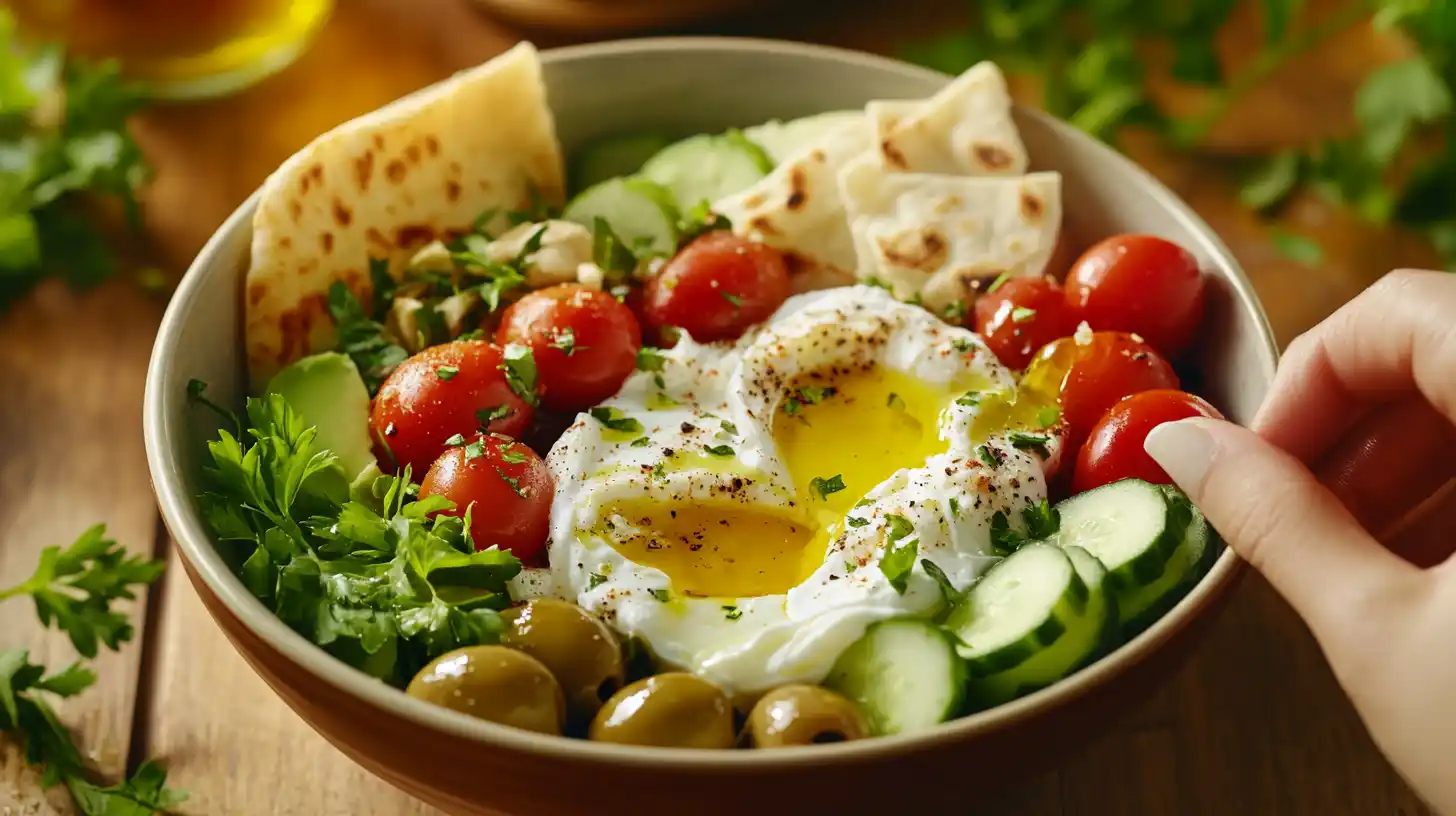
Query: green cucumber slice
x=1130, y=526
x=639, y=211
x=617, y=156
x=1022, y=605
x=1143, y=605
x=708, y=167
x=904, y=674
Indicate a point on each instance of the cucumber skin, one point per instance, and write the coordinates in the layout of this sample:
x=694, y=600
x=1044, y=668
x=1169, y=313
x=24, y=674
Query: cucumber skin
x=837, y=675
x=1139, y=621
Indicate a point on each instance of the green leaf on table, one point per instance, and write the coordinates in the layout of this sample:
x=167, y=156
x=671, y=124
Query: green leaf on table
x=1271, y=181
x=1396, y=97
x=1298, y=248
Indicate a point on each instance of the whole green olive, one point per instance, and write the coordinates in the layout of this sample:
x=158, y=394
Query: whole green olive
x=493, y=683
x=580, y=650
x=804, y=715
x=673, y=710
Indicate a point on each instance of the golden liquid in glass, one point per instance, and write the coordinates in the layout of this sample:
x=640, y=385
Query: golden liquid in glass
x=180, y=49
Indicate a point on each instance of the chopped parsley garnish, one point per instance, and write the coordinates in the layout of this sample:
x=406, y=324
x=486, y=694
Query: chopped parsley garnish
x=1048, y=416
x=733, y=299
x=658, y=381
x=732, y=612
x=718, y=450
x=808, y=395
x=533, y=243
x=730, y=428
x=447, y=373
x=511, y=457
x=565, y=339
x=641, y=442
x=701, y=218
x=1004, y=540
x=989, y=455
x=649, y=359
x=955, y=312
x=877, y=282
x=485, y=416
x=473, y=334
x=895, y=402
x=513, y=482
x=659, y=471
x=856, y=521
x=475, y=450
x=996, y=284
x=1021, y=314
x=661, y=595
x=899, y=558
x=955, y=506
x=970, y=399
x=961, y=345
x=1042, y=522
x=595, y=580
x=948, y=593
x=1036, y=443
x=608, y=252
x=362, y=338
x=827, y=487
x=520, y=369
x=863, y=503
x=615, y=420
x=455, y=441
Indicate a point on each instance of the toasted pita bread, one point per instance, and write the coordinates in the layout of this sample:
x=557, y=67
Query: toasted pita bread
x=943, y=236
x=796, y=208
x=384, y=185
x=965, y=129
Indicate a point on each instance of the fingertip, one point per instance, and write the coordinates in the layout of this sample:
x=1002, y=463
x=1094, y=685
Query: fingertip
x=1184, y=449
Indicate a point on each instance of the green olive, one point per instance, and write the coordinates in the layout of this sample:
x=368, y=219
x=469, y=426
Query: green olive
x=493, y=683
x=673, y=710
x=804, y=715
x=582, y=653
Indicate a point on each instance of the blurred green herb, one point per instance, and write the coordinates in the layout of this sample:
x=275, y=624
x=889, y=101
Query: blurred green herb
x=1089, y=58
x=63, y=138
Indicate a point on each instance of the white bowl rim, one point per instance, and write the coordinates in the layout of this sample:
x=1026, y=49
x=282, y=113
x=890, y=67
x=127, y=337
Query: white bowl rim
x=197, y=544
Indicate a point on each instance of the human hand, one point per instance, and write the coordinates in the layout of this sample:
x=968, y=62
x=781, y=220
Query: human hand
x=1336, y=496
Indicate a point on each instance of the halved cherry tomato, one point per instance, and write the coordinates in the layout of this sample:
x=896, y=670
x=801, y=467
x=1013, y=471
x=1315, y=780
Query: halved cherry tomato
x=455, y=388
x=1022, y=315
x=584, y=341
x=1098, y=374
x=717, y=287
x=509, y=487
x=1139, y=284
x=1114, y=451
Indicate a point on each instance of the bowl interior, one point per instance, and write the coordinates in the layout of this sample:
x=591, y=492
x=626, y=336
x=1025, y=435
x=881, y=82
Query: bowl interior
x=681, y=86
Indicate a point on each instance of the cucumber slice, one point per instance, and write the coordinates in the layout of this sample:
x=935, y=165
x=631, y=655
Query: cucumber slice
x=1143, y=605
x=904, y=674
x=1130, y=526
x=1023, y=605
x=608, y=158
x=708, y=167
x=1087, y=637
x=640, y=211
x=780, y=140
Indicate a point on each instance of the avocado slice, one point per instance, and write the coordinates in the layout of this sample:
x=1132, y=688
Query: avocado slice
x=327, y=391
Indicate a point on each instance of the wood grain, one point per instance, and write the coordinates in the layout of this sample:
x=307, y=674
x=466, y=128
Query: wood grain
x=1254, y=724
x=71, y=455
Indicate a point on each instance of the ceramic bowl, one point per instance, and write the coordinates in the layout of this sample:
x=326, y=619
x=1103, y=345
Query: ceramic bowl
x=472, y=767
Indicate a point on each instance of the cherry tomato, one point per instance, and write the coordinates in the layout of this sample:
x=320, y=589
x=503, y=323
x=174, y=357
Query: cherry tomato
x=1114, y=451
x=1020, y=316
x=1139, y=284
x=584, y=341
x=1110, y=367
x=717, y=287
x=509, y=486
x=455, y=388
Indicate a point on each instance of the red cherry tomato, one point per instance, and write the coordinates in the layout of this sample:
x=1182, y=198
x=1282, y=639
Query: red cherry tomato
x=584, y=341
x=509, y=486
x=1020, y=316
x=1104, y=371
x=1139, y=284
x=455, y=388
x=1114, y=451
x=717, y=287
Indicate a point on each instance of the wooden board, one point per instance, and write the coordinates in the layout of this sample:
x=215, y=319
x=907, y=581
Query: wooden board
x=1254, y=724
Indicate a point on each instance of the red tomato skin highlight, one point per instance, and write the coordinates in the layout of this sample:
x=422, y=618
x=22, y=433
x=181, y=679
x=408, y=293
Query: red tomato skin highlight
x=1003, y=321
x=1112, y=366
x=603, y=337
x=417, y=408
x=1140, y=284
x=1114, y=451
x=514, y=517
x=717, y=287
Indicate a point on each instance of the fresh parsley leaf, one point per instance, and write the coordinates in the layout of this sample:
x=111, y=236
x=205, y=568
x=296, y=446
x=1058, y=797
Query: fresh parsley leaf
x=595, y=580
x=1394, y=99
x=990, y=456
x=641, y=442
x=475, y=449
x=970, y=399
x=649, y=359
x=699, y=219
x=614, y=419
x=895, y=402
x=485, y=416
x=961, y=345
x=447, y=373
x=455, y=441
x=856, y=521
x=520, y=369
x=511, y=456
x=1271, y=181
x=1036, y=443
x=718, y=450
x=608, y=252
x=954, y=505
x=954, y=312
x=729, y=428
x=898, y=561
x=1004, y=540
x=807, y=395
x=73, y=589
x=732, y=613
x=661, y=595
x=733, y=299
x=948, y=593
x=565, y=339
x=898, y=526
x=514, y=482
x=1021, y=314
x=1298, y=248
x=1042, y=520
x=1048, y=416
x=824, y=488
x=363, y=338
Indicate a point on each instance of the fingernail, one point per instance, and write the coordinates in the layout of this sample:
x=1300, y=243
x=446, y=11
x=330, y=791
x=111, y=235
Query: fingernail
x=1185, y=450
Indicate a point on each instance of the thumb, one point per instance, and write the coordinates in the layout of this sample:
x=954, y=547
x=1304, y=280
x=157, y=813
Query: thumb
x=1274, y=513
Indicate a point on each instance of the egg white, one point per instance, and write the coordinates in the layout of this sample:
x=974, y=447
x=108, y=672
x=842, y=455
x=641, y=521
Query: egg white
x=750, y=644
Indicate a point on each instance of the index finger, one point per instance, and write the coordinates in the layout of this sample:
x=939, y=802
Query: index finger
x=1395, y=338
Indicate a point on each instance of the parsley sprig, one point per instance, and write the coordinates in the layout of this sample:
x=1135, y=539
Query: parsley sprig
x=1396, y=168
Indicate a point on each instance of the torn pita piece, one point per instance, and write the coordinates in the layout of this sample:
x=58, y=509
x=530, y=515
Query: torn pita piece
x=385, y=184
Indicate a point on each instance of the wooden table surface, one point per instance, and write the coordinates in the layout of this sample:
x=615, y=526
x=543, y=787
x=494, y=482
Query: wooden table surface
x=1254, y=724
